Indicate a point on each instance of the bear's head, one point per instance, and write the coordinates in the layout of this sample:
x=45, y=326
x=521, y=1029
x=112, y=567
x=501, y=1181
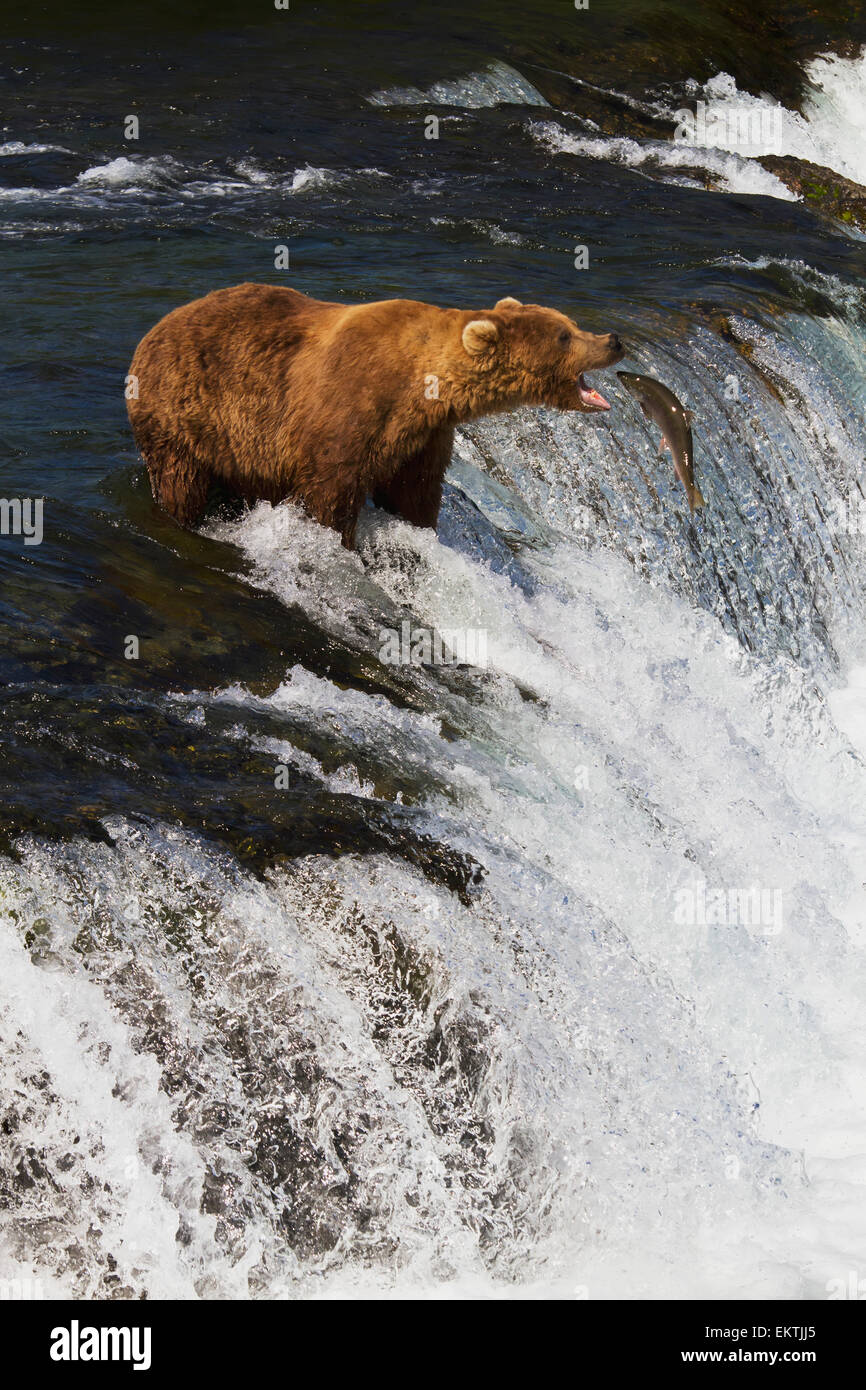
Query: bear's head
x=524, y=354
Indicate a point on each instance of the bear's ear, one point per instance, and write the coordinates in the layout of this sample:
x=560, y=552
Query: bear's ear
x=508, y=303
x=479, y=335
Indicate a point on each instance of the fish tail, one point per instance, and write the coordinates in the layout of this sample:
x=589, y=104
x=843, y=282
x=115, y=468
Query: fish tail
x=697, y=497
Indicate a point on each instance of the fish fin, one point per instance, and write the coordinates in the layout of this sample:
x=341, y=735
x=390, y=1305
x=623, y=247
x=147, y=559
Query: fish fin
x=696, y=499
x=690, y=415
x=663, y=444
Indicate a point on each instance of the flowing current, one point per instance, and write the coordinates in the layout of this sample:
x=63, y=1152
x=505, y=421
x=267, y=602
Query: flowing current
x=541, y=974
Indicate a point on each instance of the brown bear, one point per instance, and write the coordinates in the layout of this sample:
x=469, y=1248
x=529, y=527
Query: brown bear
x=275, y=395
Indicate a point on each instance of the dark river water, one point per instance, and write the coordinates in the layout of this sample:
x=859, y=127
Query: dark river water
x=320, y=973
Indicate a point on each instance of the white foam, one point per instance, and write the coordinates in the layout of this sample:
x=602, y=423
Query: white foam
x=495, y=85
x=624, y=1051
x=251, y=170
x=310, y=177
x=830, y=130
x=598, y=863
x=110, y=1118
x=123, y=172
x=849, y=708
x=164, y=177
x=849, y=298
x=737, y=128
x=20, y=147
x=731, y=171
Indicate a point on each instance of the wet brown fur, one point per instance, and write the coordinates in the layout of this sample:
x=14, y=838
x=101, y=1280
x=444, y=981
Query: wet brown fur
x=276, y=395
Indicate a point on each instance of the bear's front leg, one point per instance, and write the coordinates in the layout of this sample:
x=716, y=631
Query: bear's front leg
x=347, y=530
x=414, y=492
x=339, y=511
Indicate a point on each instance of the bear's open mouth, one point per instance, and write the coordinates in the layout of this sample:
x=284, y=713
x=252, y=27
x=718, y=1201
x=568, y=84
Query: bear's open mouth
x=589, y=396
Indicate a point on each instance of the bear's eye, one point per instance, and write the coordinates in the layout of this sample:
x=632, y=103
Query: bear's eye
x=565, y=336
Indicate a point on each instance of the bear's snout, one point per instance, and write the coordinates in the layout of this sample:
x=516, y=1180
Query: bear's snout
x=609, y=348
x=598, y=350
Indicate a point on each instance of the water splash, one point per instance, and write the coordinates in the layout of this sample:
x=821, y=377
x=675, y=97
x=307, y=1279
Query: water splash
x=495, y=85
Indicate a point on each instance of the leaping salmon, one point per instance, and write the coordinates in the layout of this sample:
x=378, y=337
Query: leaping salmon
x=660, y=405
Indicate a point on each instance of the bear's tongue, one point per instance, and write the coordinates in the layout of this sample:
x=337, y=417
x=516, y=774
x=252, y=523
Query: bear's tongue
x=590, y=396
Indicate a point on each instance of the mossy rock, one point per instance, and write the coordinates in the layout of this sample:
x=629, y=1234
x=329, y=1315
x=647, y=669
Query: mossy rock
x=828, y=193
